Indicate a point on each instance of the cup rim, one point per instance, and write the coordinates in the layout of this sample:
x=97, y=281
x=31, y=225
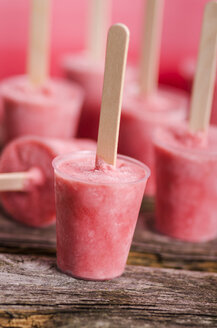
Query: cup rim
x=184, y=152
x=64, y=157
x=75, y=96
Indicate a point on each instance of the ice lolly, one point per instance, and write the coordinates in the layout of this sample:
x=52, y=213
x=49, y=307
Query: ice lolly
x=36, y=104
x=95, y=233
x=97, y=199
x=186, y=155
x=186, y=185
x=87, y=67
x=32, y=201
x=147, y=106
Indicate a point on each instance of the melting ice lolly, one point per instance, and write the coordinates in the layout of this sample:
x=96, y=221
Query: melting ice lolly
x=94, y=235
x=147, y=106
x=29, y=102
x=26, y=178
x=186, y=156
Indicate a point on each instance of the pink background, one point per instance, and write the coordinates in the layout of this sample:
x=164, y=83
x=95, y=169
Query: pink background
x=181, y=30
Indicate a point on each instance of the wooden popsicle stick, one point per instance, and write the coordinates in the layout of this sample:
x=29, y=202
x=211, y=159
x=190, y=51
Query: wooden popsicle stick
x=99, y=19
x=115, y=66
x=204, y=81
x=39, y=44
x=150, y=52
x=15, y=181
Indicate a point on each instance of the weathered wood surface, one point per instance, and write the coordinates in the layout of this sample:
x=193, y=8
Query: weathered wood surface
x=154, y=249
x=35, y=294
x=149, y=248
x=20, y=237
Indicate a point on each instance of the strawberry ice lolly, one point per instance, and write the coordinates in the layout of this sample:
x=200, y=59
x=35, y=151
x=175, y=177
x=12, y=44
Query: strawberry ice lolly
x=186, y=155
x=147, y=106
x=34, y=103
x=51, y=110
x=186, y=167
x=98, y=194
x=87, y=67
x=97, y=210
x=35, y=205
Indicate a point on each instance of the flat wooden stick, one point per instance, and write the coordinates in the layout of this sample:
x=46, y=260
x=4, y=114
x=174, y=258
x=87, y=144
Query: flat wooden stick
x=115, y=66
x=15, y=181
x=99, y=19
x=150, y=52
x=204, y=81
x=39, y=44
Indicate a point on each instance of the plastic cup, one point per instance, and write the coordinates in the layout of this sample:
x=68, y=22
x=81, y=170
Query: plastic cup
x=52, y=110
x=186, y=172
x=95, y=221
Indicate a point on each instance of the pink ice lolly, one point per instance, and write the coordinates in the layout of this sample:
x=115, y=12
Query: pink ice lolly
x=35, y=206
x=186, y=171
x=140, y=118
x=51, y=110
x=97, y=210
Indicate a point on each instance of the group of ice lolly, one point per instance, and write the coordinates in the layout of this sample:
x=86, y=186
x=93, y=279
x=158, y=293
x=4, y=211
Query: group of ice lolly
x=98, y=194
x=36, y=105
x=185, y=205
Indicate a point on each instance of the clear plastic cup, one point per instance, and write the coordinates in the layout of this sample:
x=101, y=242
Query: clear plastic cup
x=95, y=220
x=186, y=171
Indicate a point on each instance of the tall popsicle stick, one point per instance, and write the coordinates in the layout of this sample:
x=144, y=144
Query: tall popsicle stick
x=115, y=66
x=150, y=53
x=203, y=86
x=15, y=181
x=99, y=19
x=38, y=56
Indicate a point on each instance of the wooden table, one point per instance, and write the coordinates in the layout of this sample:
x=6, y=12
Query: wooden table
x=166, y=283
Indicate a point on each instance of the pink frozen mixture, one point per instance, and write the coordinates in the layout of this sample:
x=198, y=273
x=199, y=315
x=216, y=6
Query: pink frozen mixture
x=97, y=210
x=186, y=171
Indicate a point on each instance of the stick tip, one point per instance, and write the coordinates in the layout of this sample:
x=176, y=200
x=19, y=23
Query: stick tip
x=121, y=28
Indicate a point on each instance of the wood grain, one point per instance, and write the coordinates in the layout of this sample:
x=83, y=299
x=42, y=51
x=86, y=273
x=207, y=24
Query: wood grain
x=33, y=291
